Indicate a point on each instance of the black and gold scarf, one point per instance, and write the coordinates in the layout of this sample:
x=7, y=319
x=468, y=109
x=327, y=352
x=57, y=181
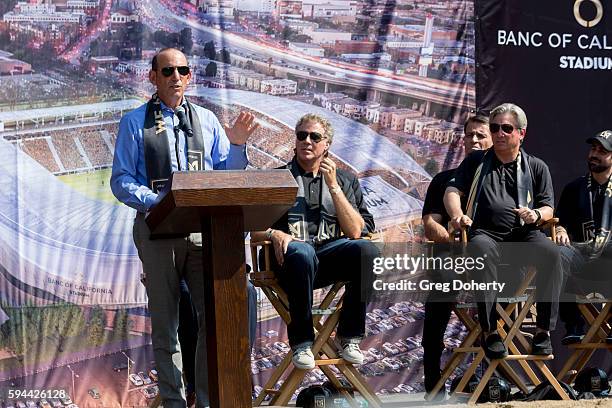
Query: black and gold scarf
x=328, y=227
x=157, y=150
x=595, y=245
x=524, y=182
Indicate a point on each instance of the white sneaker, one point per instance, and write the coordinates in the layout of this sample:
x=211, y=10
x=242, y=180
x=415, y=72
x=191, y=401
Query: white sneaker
x=352, y=353
x=303, y=358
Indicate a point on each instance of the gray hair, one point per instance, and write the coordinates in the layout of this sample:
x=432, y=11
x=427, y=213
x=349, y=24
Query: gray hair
x=515, y=110
x=313, y=117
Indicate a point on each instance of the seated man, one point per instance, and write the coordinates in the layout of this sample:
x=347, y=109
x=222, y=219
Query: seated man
x=435, y=221
x=585, y=220
x=317, y=243
x=509, y=193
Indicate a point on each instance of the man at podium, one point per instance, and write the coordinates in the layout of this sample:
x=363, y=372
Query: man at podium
x=316, y=243
x=164, y=135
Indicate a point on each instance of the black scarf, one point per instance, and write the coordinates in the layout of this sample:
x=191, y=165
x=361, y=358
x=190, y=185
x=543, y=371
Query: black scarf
x=157, y=151
x=524, y=182
x=594, y=246
x=296, y=216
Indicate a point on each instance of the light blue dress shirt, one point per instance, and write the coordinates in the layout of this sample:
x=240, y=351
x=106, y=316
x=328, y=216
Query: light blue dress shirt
x=129, y=176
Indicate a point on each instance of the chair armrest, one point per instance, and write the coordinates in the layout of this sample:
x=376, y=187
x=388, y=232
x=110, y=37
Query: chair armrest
x=551, y=224
x=266, y=245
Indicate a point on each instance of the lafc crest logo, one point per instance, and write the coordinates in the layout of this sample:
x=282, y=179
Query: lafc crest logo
x=194, y=160
x=581, y=20
x=298, y=229
x=588, y=230
x=327, y=230
x=606, y=134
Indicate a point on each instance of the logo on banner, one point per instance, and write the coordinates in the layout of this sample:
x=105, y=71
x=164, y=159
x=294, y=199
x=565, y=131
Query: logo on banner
x=588, y=23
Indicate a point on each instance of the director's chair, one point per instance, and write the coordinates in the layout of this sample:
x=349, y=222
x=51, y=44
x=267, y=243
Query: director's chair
x=323, y=348
x=598, y=320
x=512, y=316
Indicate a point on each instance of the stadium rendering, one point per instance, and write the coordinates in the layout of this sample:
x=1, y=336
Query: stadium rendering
x=65, y=240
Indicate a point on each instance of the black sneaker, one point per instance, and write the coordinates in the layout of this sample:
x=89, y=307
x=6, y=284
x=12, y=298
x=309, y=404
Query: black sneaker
x=541, y=345
x=494, y=347
x=609, y=339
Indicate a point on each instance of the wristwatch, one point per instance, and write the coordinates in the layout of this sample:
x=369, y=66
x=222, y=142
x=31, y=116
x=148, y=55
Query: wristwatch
x=269, y=232
x=335, y=190
x=539, y=215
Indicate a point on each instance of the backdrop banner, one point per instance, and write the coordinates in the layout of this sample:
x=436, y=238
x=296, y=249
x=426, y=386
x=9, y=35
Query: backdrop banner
x=554, y=59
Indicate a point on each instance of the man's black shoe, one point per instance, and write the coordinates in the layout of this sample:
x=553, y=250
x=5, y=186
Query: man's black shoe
x=571, y=338
x=609, y=340
x=494, y=348
x=541, y=345
x=573, y=334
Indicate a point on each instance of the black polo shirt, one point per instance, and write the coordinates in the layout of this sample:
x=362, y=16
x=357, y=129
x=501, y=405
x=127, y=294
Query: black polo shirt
x=312, y=195
x=495, y=215
x=434, y=199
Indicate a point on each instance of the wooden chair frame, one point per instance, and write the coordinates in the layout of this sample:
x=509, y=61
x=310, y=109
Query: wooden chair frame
x=511, y=317
x=594, y=339
x=323, y=348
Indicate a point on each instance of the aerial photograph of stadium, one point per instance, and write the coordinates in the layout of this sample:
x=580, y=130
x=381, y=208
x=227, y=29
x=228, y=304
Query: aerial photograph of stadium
x=396, y=82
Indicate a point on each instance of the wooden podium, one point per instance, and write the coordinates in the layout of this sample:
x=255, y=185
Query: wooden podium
x=223, y=205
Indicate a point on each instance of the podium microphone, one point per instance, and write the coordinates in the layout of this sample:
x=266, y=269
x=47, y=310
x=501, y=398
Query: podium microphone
x=184, y=124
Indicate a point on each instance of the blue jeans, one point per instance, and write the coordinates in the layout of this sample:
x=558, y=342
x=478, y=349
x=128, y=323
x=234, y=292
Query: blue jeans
x=188, y=329
x=307, y=268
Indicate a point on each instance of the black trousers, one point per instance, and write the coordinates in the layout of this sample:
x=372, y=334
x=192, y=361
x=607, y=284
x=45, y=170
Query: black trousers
x=437, y=315
x=438, y=308
x=188, y=329
x=306, y=268
x=530, y=248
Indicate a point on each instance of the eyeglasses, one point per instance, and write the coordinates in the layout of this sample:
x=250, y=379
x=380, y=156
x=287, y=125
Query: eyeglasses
x=168, y=71
x=507, y=128
x=315, y=137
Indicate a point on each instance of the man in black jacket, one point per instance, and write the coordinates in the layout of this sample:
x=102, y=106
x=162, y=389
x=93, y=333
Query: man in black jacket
x=585, y=221
x=317, y=243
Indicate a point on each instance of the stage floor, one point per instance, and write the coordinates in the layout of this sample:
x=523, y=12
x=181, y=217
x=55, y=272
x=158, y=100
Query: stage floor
x=417, y=400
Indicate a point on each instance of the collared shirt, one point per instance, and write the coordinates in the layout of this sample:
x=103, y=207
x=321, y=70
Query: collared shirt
x=499, y=196
x=312, y=195
x=129, y=176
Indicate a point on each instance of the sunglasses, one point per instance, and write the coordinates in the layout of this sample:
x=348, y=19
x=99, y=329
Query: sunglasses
x=494, y=127
x=168, y=71
x=480, y=112
x=315, y=137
